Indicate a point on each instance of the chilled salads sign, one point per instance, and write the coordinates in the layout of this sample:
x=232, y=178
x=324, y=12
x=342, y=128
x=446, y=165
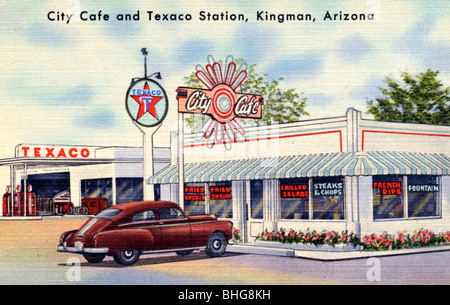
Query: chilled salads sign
x=294, y=191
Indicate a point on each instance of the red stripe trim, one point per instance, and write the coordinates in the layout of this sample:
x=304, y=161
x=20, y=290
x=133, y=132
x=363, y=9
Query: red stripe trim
x=402, y=133
x=280, y=137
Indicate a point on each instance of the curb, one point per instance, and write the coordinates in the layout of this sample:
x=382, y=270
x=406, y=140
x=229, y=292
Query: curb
x=328, y=256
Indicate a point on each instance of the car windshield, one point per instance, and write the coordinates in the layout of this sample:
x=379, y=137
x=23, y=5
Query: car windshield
x=108, y=213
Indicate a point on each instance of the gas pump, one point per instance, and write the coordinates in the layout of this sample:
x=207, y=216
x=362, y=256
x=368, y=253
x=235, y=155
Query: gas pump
x=19, y=203
x=31, y=201
x=6, y=202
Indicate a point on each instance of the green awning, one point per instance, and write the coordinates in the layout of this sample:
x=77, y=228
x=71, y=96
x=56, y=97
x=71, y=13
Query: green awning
x=311, y=165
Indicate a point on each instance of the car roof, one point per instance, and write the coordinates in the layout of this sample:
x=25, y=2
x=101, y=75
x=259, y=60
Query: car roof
x=134, y=207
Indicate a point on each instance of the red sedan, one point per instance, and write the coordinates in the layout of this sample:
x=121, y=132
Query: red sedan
x=127, y=230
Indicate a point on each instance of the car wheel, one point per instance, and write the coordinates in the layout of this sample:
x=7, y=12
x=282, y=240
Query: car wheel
x=127, y=257
x=94, y=258
x=217, y=245
x=184, y=252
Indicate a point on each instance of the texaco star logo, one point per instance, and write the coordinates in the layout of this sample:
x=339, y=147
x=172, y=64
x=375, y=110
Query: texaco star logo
x=146, y=102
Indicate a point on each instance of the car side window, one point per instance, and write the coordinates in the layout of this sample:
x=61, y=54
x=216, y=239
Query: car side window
x=169, y=213
x=144, y=216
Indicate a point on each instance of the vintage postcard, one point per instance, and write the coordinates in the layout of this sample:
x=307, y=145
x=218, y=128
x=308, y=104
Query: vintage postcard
x=199, y=145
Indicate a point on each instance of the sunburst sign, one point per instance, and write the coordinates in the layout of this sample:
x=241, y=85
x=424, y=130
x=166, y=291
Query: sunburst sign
x=220, y=101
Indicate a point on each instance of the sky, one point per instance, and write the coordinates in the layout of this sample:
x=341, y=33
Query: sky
x=65, y=82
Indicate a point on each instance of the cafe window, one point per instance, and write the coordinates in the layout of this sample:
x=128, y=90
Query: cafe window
x=387, y=197
x=328, y=198
x=220, y=199
x=294, y=199
x=256, y=199
x=194, y=199
x=423, y=196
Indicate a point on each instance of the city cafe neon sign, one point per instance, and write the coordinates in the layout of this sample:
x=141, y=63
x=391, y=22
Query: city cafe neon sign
x=220, y=101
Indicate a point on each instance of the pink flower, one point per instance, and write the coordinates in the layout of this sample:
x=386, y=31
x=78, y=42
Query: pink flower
x=447, y=235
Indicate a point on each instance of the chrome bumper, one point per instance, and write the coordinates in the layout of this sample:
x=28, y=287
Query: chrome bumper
x=78, y=248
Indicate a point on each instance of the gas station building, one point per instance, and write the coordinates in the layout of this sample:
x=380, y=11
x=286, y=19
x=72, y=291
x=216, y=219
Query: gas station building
x=75, y=173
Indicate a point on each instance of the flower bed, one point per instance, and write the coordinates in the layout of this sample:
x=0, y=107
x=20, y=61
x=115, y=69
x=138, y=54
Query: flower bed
x=420, y=238
x=351, y=241
x=236, y=235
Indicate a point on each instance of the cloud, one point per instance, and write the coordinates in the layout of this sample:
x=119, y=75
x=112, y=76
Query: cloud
x=44, y=35
x=75, y=96
x=253, y=43
x=370, y=90
x=100, y=119
x=302, y=66
x=319, y=100
x=194, y=50
x=416, y=42
x=51, y=95
x=353, y=48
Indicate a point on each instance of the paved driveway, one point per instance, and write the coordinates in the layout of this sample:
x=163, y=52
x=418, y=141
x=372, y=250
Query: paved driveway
x=28, y=256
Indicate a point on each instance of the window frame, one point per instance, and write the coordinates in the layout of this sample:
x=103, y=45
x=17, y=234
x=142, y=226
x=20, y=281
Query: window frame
x=144, y=219
x=438, y=198
x=180, y=214
x=311, y=200
x=405, y=200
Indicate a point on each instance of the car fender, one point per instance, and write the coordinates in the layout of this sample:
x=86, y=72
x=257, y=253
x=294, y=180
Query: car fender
x=223, y=226
x=125, y=239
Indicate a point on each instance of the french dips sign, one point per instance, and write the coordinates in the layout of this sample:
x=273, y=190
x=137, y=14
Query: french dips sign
x=220, y=101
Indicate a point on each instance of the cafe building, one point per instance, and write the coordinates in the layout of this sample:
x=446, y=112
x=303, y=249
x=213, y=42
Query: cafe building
x=338, y=173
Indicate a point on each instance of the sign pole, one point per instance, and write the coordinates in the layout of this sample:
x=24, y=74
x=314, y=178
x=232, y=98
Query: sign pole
x=181, y=160
x=147, y=149
x=147, y=105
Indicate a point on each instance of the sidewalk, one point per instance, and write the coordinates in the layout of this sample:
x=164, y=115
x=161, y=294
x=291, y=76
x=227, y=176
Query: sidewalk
x=249, y=248
x=26, y=218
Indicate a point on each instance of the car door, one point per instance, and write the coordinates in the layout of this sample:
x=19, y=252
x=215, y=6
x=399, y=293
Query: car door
x=175, y=229
x=146, y=220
